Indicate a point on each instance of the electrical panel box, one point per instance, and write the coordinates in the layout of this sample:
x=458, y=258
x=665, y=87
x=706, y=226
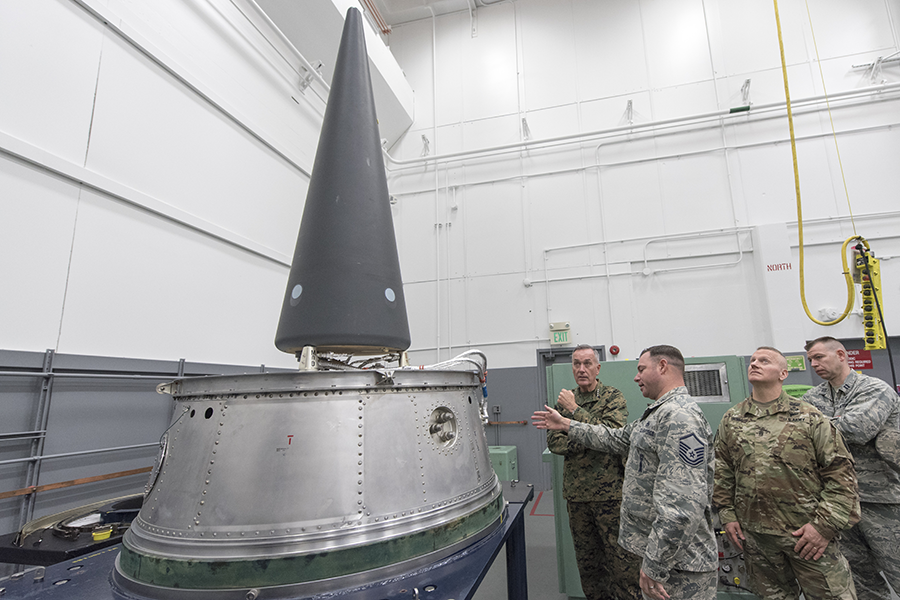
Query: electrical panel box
x=503, y=459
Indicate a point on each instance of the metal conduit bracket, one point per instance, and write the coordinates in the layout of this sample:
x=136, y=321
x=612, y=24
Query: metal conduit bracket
x=307, y=78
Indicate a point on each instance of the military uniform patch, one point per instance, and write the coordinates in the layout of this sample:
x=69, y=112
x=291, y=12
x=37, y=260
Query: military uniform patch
x=691, y=450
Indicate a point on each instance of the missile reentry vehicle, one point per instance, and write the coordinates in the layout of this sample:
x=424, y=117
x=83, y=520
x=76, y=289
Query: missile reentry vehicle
x=348, y=471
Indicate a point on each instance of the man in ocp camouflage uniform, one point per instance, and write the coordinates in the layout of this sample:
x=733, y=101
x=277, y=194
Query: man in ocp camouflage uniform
x=785, y=487
x=592, y=484
x=666, y=513
x=867, y=413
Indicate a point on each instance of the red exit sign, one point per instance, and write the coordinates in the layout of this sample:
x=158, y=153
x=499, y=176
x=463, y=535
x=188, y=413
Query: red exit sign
x=859, y=359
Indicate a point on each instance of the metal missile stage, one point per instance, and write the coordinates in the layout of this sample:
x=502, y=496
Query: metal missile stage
x=292, y=484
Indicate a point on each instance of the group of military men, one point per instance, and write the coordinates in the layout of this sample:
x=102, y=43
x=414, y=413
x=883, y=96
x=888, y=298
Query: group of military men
x=807, y=489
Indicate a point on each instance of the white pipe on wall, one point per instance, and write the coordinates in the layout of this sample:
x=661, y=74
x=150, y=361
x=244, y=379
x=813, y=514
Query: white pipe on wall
x=632, y=128
x=437, y=225
x=769, y=142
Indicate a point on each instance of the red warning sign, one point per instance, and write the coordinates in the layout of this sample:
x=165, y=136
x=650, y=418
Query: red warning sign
x=859, y=359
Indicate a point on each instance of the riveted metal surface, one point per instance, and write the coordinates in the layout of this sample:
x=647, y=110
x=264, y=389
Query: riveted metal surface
x=270, y=467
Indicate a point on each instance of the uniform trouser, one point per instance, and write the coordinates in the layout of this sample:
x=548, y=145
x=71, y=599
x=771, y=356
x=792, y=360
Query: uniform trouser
x=774, y=570
x=687, y=585
x=607, y=570
x=872, y=547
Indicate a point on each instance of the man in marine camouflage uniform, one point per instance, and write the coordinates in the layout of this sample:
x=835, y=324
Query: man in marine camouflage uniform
x=785, y=487
x=592, y=484
x=667, y=493
x=867, y=413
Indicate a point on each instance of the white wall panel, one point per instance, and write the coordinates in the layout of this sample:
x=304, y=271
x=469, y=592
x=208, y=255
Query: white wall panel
x=415, y=51
x=452, y=215
x=631, y=198
x=421, y=306
x=494, y=229
x=744, y=37
x=226, y=57
x=451, y=64
x=140, y=286
x=870, y=167
x=695, y=192
x=456, y=336
x=674, y=308
x=38, y=216
x=654, y=182
x=676, y=42
x=609, y=43
x=489, y=65
x=208, y=167
x=701, y=140
x=843, y=29
x=565, y=66
x=768, y=179
x=449, y=140
x=559, y=215
x=487, y=133
x=553, y=122
x=548, y=51
x=414, y=225
x=49, y=56
x=501, y=309
x=581, y=303
x=684, y=100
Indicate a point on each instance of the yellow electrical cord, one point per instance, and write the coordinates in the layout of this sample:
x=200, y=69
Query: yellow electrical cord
x=847, y=276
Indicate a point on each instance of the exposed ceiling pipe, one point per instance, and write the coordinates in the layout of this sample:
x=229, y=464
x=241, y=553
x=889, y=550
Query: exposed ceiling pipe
x=379, y=20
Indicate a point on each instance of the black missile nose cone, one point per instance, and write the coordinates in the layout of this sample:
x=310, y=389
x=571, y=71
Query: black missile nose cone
x=345, y=292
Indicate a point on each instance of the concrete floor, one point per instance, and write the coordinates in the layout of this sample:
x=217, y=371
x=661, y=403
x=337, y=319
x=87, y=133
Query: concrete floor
x=540, y=556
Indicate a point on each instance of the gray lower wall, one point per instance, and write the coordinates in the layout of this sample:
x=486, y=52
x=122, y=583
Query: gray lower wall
x=516, y=391
x=89, y=403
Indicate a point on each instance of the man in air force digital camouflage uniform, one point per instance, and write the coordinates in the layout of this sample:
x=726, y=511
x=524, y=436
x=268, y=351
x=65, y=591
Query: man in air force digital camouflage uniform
x=867, y=413
x=592, y=485
x=785, y=487
x=667, y=493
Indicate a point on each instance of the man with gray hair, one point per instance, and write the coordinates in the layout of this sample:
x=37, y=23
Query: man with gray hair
x=667, y=493
x=592, y=484
x=867, y=413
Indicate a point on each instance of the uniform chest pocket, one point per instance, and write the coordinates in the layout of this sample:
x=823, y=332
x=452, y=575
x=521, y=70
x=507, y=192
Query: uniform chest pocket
x=794, y=448
x=643, y=444
x=644, y=439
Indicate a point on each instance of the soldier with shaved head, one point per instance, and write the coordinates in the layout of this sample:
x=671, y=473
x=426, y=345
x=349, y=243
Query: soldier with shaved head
x=785, y=487
x=867, y=412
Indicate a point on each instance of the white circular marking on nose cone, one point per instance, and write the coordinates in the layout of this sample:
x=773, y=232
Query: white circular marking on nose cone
x=295, y=294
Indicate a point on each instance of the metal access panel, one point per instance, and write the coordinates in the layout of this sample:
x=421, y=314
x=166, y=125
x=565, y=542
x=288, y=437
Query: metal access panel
x=719, y=382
